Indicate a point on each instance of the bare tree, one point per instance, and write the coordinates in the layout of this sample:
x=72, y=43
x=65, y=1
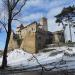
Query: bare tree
x=13, y=8
x=66, y=15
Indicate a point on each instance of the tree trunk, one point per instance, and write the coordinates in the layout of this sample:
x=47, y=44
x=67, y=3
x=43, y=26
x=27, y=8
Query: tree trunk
x=64, y=31
x=4, y=62
x=70, y=32
x=69, y=22
x=64, y=35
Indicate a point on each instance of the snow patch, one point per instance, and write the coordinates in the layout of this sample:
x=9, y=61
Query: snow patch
x=21, y=59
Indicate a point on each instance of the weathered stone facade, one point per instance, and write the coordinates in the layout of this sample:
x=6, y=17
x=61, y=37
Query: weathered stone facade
x=29, y=38
x=13, y=44
x=58, y=37
x=33, y=37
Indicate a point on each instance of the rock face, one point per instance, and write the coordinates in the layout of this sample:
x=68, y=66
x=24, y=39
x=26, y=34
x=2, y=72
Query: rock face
x=34, y=37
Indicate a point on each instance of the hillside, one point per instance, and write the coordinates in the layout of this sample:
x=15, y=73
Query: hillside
x=61, y=58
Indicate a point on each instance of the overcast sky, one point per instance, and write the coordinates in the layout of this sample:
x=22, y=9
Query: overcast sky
x=35, y=9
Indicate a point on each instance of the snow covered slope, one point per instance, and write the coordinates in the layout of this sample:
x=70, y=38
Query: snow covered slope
x=18, y=57
x=62, y=57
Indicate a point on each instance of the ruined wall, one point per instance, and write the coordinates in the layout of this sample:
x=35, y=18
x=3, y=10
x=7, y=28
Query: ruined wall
x=12, y=43
x=35, y=36
x=58, y=37
x=28, y=42
x=40, y=39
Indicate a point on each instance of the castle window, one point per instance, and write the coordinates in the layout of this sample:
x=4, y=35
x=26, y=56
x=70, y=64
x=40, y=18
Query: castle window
x=20, y=32
x=39, y=37
x=32, y=29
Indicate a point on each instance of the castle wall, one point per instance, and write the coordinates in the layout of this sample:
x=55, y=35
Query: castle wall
x=40, y=39
x=35, y=37
x=58, y=37
x=29, y=38
x=28, y=43
x=12, y=43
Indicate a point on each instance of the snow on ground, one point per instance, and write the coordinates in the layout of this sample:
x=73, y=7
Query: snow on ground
x=18, y=57
x=63, y=57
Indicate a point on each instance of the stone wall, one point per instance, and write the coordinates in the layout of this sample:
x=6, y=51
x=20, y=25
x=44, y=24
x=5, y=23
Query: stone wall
x=29, y=38
x=13, y=44
x=40, y=39
x=58, y=37
x=28, y=43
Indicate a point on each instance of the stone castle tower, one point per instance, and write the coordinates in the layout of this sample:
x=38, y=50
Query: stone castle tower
x=43, y=23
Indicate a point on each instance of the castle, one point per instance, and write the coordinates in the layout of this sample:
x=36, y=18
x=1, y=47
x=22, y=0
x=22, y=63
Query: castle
x=34, y=37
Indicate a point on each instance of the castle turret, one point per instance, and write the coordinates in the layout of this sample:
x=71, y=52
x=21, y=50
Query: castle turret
x=43, y=23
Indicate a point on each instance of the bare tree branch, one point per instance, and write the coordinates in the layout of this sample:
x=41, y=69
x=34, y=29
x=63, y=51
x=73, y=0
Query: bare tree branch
x=43, y=68
x=17, y=20
x=15, y=4
x=19, y=9
x=46, y=69
x=4, y=25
